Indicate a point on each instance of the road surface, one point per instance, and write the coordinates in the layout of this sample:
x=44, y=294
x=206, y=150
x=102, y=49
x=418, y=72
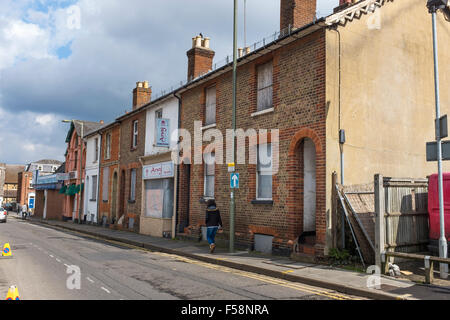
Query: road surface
x=111, y=271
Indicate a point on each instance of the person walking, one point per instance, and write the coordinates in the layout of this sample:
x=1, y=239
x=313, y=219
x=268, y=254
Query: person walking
x=213, y=223
x=24, y=211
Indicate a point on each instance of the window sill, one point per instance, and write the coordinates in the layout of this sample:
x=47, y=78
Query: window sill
x=131, y=201
x=208, y=126
x=262, y=202
x=205, y=199
x=105, y=201
x=92, y=200
x=258, y=113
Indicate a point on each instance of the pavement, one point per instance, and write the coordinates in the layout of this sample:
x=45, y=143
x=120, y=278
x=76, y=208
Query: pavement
x=323, y=276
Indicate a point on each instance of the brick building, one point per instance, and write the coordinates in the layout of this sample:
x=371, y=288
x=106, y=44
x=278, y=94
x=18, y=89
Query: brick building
x=11, y=182
x=310, y=83
x=25, y=191
x=109, y=174
x=49, y=199
x=75, y=173
x=132, y=147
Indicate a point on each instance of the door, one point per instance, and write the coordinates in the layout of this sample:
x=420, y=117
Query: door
x=309, y=200
x=114, y=198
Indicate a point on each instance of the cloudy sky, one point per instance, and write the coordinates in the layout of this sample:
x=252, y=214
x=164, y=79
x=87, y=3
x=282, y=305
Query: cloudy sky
x=80, y=59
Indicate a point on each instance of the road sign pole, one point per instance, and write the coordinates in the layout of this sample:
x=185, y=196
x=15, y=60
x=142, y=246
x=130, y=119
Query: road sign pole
x=232, y=200
x=442, y=239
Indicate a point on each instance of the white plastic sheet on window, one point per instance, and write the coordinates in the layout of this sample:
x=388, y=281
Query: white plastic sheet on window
x=133, y=185
x=210, y=164
x=264, y=171
x=105, y=187
x=210, y=111
x=265, y=88
x=159, y=198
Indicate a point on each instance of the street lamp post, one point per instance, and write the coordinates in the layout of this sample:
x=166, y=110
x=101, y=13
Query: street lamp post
x=81, y=164
x=433, y=7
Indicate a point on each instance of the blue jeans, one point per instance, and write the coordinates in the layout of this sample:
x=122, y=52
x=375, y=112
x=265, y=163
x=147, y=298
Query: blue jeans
x=211, y=234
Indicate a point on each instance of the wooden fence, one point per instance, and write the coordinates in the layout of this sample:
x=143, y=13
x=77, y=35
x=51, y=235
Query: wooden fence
x=401, y=215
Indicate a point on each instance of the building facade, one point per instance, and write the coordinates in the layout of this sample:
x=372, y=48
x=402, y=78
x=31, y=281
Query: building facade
x=92, y=175
x=132, y=148
x=159, y=171
x=109, y=174
x=75, y=169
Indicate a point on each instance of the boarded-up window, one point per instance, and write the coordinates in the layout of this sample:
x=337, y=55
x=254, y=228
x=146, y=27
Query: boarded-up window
x=265, y=88
x=96, y=150
x=264, y=174
x=210, y=164
x=210, y=110
x=159, y=198
x=133, y=185
x=105, y=184
x=108, y=146
x=94, y=188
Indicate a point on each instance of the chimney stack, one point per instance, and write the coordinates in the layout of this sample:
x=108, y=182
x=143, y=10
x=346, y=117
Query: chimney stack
x=297, y=13
x=142, y=94
x=200, y=57
x=343, y=4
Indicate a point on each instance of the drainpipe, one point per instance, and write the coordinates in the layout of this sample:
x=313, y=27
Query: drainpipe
x=98, y=175
x=341, y=132
x=177, y=179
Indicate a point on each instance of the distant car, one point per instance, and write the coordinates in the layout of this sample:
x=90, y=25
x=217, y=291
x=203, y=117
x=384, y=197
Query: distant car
x=8, y=207
x=3, y=215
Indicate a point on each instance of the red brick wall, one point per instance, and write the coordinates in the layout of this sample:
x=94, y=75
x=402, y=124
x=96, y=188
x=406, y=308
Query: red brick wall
x=199, y=61
x=105, y=207
x=54, y=204
x=299, y=112
x=129, y=159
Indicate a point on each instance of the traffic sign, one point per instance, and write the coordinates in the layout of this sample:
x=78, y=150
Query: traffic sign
x=234, y=181
x=432, y=150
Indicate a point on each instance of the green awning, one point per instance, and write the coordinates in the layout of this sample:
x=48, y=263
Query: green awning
x=71, y=190
x=63, y=190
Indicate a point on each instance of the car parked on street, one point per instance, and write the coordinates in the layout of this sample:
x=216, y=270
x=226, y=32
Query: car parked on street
x=3, y=215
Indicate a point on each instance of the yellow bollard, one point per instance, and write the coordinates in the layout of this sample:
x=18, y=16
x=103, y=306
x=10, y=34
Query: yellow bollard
x=6, y=252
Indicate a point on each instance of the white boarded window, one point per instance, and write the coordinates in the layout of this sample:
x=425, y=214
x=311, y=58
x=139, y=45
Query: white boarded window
x=105, y=184
x=210, y=109
x=133, y=185
x=108, y=146
x=265, y=87
x=210, y=161
x=135, y=134
x=264, y=172
x=96, y=150
x=94, y=188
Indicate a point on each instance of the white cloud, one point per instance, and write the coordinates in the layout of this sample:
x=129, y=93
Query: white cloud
x=118, y=43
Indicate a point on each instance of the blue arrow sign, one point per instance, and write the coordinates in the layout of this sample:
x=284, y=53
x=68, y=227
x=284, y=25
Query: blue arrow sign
x=234, y=181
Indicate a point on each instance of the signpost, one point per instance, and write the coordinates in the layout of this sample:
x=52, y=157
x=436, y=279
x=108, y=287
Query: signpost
x=234, y=181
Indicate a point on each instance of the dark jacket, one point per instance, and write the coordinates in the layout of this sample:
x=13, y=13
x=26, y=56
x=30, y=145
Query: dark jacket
x=213, y=217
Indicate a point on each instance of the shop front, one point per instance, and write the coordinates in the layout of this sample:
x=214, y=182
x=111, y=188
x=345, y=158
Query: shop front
x=158, y=199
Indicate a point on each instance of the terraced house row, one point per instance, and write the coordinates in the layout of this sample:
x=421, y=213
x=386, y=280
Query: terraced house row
x=365, y=71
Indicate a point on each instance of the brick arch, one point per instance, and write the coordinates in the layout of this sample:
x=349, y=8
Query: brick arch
x=294, y=203
x=302, y=134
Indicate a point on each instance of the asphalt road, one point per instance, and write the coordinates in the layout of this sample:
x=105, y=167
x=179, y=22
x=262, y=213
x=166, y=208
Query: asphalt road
x=110, y=271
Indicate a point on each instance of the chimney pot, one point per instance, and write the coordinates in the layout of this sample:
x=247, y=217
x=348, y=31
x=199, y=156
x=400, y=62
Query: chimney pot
x=200, y=57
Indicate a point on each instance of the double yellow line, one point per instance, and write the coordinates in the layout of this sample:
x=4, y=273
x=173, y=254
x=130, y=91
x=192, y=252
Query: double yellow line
x=271, y=280
x=283, y=283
